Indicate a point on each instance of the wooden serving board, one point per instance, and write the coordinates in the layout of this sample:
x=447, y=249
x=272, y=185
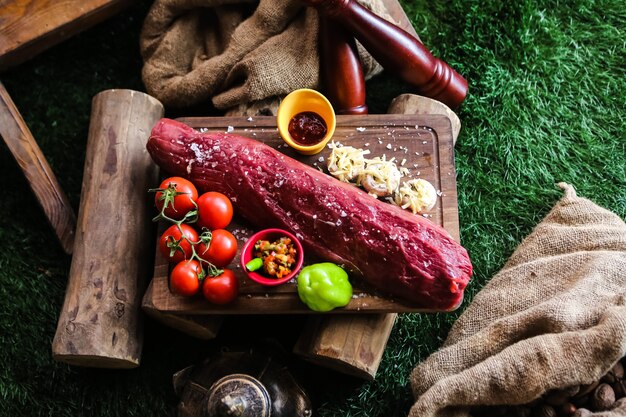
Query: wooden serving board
x=421, y=143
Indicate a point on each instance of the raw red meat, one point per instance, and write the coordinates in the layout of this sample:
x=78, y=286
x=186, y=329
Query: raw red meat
x=395, y=251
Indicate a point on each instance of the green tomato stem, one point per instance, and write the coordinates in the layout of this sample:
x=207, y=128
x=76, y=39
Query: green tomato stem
x=190, y=217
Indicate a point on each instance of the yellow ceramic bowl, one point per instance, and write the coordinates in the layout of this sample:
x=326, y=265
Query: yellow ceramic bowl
x=299, y=101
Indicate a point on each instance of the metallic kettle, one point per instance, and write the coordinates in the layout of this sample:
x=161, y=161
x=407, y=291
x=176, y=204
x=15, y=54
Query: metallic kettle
x=240, y=384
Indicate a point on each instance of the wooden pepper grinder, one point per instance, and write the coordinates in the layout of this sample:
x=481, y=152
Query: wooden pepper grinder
x=340, y=69
x=397, y=51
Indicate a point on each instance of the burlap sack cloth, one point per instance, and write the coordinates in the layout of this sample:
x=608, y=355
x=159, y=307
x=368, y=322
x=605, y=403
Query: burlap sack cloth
x=553, y=317
x=233, y=52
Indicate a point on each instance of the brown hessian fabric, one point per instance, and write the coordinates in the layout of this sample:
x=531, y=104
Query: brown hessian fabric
x=233, y=52
x=553, y=317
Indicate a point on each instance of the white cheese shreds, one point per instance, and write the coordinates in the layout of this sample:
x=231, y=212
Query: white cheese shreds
x=381, y=172
x=345, y=162
x=381, y=177
x=417, y=195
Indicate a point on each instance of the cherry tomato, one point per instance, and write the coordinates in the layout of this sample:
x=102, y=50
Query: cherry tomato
x=185, y=278
x=178, y=195
x=215, y=210
x=222, y=248
x=221, y=289
x=172, y=247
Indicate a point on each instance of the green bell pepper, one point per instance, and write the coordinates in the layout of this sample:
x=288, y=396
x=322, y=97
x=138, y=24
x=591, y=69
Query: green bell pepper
x=324, y=286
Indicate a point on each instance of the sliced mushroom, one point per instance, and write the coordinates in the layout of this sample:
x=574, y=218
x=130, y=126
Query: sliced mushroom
x=374, y=187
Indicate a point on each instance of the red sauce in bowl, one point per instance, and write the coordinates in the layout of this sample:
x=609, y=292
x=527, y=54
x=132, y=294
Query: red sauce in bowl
x=307, y=128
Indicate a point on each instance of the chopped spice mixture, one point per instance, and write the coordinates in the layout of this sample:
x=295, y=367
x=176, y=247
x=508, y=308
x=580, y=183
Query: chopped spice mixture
x=278, y=257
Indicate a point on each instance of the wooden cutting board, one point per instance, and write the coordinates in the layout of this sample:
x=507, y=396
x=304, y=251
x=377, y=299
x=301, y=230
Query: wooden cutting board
x=421, y=143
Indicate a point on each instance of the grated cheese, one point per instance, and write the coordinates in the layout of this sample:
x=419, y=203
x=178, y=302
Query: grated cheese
x=417, y=195
x=345, y=162
x=382, y=172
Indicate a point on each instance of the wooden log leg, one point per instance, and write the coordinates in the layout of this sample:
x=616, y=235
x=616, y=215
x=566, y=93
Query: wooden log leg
x=414, y=104
x=100, y=322
x=355, y=344
x=38, y=173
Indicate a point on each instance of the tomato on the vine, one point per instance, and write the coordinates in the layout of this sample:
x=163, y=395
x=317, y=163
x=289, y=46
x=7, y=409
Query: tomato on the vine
x=177, y=195
x=221, y=249
x=185, y=278
x=221, y=289
x=215, y=211
x=176, y=246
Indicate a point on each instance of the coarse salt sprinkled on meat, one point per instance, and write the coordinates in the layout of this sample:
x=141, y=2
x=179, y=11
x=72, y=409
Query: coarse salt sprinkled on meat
x=195, y=148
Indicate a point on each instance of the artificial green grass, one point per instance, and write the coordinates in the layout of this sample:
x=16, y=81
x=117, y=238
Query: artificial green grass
x=547, y=103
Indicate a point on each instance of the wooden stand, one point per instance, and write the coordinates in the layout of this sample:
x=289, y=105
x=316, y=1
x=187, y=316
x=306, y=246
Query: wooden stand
x=350, y=344
x=38, y=173
x=99, y=324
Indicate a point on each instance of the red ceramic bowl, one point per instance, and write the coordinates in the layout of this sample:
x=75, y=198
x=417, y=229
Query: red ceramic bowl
x=271, y=235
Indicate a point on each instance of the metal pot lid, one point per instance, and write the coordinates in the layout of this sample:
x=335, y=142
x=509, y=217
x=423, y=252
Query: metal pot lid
x=238, y=395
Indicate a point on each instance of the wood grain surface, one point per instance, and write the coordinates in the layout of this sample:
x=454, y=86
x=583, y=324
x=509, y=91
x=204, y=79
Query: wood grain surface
x=100, y=321
x=422, y=144
x=37, y=171
x=27, y=27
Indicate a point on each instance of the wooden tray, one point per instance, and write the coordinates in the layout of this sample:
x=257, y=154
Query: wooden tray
x=421, y=143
